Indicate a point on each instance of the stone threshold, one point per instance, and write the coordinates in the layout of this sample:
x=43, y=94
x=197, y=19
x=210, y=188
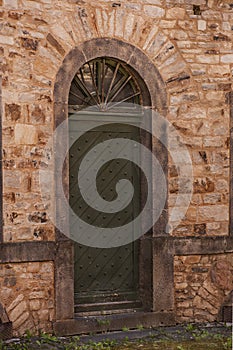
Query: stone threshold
x=96, y=324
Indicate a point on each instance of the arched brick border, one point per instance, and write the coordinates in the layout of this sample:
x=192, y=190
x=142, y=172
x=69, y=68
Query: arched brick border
x=112, y=48
x=146, y=35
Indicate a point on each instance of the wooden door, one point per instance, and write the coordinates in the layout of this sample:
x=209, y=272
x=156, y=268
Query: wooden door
x=106, y=279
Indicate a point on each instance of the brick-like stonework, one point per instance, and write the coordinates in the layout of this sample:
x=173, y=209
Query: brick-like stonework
x=191, y=48
x=202, y=283
x=193, y=53
x=27, y=294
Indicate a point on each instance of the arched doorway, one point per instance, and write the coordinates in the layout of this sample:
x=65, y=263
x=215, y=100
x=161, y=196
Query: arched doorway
x=155, y=293
x=106, y=280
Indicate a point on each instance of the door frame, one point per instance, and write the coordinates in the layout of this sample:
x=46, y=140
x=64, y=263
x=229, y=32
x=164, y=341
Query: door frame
x=152, y=259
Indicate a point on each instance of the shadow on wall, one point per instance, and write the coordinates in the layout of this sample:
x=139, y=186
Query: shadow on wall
x=5, y=324
x=226, y=311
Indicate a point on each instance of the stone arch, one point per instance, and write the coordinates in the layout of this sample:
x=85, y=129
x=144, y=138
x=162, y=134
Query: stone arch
x=112, y=48
x=98, y=24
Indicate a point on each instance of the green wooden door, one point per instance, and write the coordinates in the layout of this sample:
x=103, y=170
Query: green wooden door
x=105, y=278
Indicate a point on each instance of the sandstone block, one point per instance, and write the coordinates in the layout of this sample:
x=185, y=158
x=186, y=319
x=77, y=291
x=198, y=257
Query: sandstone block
x=175, y=13
x=46, y=268
x=154, y=11
x=181, y=286
x=37, y=295
x=12, y=178
x=214, y=141
x=10, y=3
x=211, y=15
x=134, y=6
x=214, y=96
x=147, y=40
x=34, y=305
x=192, y=112
x=192, y=259
x=111, y=23
x=184, y=304
x=33, y=267
x=201, y=25
x=171, y=71
x=153, y=2
x=7, y=40
x=222, y=185
x=226, y=26
x=213, y=213
x=25, y=134
x=182, y=230
x=227, y=58
x=18, y=311
x=179, y=279
x=167, y=23
x=202, y=304
x=210, y=287
x=184, y=97
x=17, y=323
x=157, y=43
x=201, y=157
x=32, y=4
x=27, y=97
x=212, y=198
x=129, y=26
x=188, y=313
x=197, y=302
x=119, y=23
x=196, y=199
x=24, y=234
x=61, y=33
x=43, y=315
x=220, y=71
x=198, y=69
x=177, y=34
x=208, y=59
x=18, y=299
x=46, y=1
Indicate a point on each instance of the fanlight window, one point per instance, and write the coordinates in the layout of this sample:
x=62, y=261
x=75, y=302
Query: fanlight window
x=105, y=83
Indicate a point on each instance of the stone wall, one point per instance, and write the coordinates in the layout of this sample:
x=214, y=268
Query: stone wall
x=27, y=293
x=190, y=43
x=193, y=53
x=202, y=284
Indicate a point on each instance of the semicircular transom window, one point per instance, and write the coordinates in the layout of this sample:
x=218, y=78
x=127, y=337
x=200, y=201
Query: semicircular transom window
x=105, y=84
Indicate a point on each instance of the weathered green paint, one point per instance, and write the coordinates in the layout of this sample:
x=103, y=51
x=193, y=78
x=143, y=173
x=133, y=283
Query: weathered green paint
x=109, y=274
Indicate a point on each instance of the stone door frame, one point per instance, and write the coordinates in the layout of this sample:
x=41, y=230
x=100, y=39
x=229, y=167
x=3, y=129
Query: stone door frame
x=64, y=267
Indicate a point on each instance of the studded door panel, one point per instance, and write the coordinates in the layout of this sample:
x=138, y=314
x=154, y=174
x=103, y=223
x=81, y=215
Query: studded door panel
x=109, y=271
